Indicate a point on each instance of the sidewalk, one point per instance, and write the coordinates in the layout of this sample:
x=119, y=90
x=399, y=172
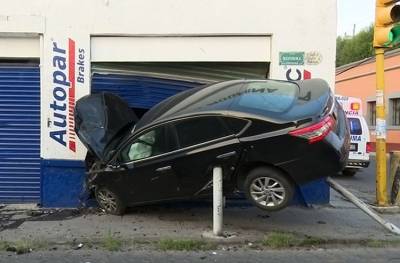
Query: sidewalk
x=189, y=220
x=340, y=220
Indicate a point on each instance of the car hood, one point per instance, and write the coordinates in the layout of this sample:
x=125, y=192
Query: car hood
x=102, y=120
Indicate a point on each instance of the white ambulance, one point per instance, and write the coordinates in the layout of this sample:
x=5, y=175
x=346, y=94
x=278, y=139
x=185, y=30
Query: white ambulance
x=360, y=145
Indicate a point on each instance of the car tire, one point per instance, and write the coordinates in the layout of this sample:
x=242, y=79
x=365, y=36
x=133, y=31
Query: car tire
x=349, y=172
x=109, y=201
x=268, y=189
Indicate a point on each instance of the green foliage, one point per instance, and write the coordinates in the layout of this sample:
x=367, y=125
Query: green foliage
x=111, y=243
x=280, y=240
x=184, y=245
x=23, y=246
x=356, y=48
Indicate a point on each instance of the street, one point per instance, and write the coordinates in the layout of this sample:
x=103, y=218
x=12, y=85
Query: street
x=363, y=183
x=294, y=255
x=329, y=227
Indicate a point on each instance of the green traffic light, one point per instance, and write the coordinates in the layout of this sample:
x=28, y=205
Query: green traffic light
x=395, y=35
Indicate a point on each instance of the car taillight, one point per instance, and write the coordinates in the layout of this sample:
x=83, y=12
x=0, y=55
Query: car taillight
x=369, y=147
x=316, y=132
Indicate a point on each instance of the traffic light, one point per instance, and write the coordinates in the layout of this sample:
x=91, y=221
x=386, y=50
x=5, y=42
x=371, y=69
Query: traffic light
x=387, y=29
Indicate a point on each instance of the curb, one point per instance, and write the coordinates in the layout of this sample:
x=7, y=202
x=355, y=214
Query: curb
x=386, y=210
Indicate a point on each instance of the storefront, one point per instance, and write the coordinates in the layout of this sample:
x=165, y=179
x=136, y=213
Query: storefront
x=53, y=53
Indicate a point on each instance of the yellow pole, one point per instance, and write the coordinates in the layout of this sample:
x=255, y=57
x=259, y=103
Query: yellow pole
x=381, y=181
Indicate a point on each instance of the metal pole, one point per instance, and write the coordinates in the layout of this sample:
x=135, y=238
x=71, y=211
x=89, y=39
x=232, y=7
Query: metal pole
x=217, y=201
x=381, y=177
x=360, y=204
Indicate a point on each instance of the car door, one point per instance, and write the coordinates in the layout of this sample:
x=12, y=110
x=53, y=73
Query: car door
x=204, y=142
x=148, y=162
x=358, y=143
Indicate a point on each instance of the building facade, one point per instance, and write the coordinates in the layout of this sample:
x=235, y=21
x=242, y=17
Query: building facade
x=358, y=79
x=54, y=52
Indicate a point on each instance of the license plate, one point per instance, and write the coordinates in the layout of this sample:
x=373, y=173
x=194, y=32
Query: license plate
x=354, y=147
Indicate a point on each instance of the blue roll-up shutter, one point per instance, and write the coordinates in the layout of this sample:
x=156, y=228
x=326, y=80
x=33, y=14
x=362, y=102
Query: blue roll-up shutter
x=19, y=133
x=139, y=92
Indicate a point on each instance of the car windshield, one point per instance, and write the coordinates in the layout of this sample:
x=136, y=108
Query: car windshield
x=268, y=96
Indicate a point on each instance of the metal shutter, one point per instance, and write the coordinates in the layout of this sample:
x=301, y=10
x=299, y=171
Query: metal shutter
x=19, y=133
x=139, y=91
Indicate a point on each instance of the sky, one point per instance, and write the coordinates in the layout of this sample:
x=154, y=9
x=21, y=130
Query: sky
x=358, y=12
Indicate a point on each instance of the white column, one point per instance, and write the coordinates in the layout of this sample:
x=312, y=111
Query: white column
x=217, y=201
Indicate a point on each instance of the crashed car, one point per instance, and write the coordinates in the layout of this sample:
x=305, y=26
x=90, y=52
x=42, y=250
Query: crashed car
x=268, y=136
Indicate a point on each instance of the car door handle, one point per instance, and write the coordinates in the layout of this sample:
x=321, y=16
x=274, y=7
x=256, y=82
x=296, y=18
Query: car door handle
x=226, y=155
x=163, y=169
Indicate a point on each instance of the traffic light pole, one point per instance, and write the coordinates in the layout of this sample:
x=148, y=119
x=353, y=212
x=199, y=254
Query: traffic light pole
x=381, y=174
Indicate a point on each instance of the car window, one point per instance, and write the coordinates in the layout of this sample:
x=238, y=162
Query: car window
x=198, y=130
x=154, y=142
x=267, y=97
x=355, y=126
x=235, y=125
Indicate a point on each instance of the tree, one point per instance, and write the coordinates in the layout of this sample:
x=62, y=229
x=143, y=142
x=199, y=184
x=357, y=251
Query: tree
x=356, y=48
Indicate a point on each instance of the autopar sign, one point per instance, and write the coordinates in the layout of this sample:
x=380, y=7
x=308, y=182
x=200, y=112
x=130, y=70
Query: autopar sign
x=67, y=81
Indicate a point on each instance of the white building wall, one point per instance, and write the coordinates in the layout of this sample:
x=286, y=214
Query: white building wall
x=293, y=26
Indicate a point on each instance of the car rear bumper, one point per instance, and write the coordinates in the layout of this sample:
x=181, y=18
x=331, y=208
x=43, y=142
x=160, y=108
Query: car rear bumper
x=322, y=159
x=357, y=164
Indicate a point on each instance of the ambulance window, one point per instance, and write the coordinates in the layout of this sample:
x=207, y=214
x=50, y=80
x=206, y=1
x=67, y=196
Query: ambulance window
x=355, y=126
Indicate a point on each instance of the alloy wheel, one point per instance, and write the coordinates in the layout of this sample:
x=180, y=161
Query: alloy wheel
x=267, y=191
x=107, y=200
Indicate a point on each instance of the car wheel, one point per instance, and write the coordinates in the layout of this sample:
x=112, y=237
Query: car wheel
x=268, y=189
x=349, y=172
x=109, y=201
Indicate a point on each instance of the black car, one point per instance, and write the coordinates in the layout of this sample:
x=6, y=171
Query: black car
x=268, y=136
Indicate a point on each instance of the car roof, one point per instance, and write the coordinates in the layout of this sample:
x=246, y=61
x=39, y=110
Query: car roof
x=174, y=106
x=218, y=98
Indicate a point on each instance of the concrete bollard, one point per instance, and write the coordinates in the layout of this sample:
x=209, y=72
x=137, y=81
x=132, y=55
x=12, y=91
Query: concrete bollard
x=395, y=177
x=217, y=201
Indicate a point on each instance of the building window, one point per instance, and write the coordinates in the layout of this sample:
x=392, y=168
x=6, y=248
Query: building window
x=371, y=107
x=395, y=111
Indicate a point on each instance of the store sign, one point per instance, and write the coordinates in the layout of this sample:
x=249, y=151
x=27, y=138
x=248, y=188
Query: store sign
x=68, y=69
x=313, y=58
x=293, y=74
x=291, y=58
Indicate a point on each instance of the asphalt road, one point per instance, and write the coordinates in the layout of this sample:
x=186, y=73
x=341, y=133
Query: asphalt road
x=363, y=183
x=309, y=256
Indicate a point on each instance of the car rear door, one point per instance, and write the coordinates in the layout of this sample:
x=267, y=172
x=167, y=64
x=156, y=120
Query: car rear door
x=358, y=144
x=365, y=139
x=204, y=142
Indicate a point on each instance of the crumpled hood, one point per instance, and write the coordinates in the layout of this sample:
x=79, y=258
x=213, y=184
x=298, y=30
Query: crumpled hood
x=101, y=120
